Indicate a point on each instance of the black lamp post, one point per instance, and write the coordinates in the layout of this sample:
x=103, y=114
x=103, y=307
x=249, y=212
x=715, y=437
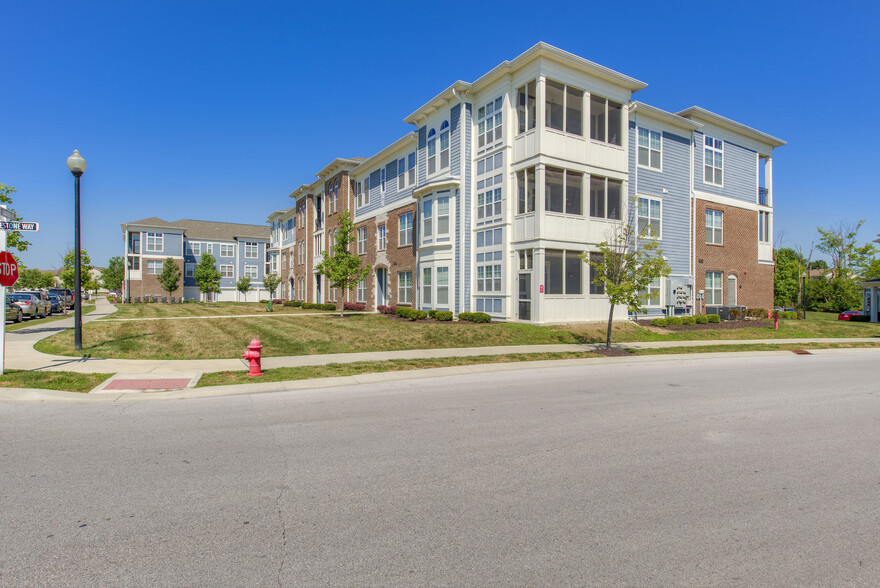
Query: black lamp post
x=77, y=166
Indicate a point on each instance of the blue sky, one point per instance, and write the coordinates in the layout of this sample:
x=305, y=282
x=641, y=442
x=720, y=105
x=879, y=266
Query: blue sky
x=217, y=110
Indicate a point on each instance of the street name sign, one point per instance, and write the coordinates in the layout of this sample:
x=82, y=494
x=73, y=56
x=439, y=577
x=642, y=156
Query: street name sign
x=19, y=226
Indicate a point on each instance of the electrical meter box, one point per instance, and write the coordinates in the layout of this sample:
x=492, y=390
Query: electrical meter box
x=679, y=294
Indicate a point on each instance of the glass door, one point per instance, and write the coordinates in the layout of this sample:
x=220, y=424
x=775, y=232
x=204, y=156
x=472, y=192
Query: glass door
x=525, y=297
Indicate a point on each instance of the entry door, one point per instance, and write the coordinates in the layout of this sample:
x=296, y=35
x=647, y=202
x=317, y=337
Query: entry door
x=381, y=287
x=525, y=297
x=731, y=290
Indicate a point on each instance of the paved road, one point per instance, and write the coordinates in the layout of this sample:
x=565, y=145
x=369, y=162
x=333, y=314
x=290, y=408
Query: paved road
x=739, y=471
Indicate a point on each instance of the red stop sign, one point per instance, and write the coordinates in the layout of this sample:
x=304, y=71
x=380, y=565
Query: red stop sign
x=8, y=269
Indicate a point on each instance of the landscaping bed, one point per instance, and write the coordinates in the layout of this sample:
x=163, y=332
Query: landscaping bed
x=738, y=324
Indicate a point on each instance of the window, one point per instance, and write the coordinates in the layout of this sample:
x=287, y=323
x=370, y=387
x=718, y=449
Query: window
x=134, y=263
x=648, y=216
x=404, y=287
x=426, y=286
x=302, y=252
x=606, y=117
x=362, y=291
x=490, y=238
x=444, y=145
x=362, y=240
x=562, y=272
x=250, y=271
x=764, y=227
x=713, y=288
x=383, y=180
x=489, y=277
x=489, y=204
x=250, y=250
x=526, y=102
x=227, y=250
x=714, y=224
x=564, y=108
x=401, y=174
x=154, y=266
x=442, y=286
x=363, y=192
x=134, y=243
x=442, y=216
x=335, y=201
x=712, y=163
x=432, y=151
x=650, y=296
x=226, y=271
x=596, y=287
x=404, y=236
x=562, y=190
x=649, y=148
x=525, y=182
x=209, y=248
x=189, y=270
x=411, y=169
x=381, y=238
x=427, y=219
x=489, y=123
x=194, y=248
x=487, y=164
x=284, y=261
x=154, y=242
x=605, y=197
x=526, y=259
x=731, y=290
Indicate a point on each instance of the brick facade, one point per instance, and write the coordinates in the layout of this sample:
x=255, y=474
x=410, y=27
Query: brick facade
x=149, y=284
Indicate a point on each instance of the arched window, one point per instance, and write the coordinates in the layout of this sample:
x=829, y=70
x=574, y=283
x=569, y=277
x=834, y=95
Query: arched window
x=444, y=145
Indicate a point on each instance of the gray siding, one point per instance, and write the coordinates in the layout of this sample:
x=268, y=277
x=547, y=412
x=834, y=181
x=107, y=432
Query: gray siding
x=740, y=171
x=467, y=199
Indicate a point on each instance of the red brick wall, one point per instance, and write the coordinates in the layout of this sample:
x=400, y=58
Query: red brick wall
x=149, y=284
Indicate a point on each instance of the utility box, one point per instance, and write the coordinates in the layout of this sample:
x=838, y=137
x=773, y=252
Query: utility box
x=679, y=295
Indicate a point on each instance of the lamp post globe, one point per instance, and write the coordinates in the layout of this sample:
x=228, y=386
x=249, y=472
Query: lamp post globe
x=77, y=165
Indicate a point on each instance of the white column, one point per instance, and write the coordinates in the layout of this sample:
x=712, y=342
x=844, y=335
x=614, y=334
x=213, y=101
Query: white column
x=768, y=179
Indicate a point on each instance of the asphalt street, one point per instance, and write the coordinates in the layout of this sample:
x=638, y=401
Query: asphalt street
x=733, y=471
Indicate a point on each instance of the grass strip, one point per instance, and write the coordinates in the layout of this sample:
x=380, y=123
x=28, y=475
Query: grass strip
x=69, y=381
x=751, y=347
x=87, y=308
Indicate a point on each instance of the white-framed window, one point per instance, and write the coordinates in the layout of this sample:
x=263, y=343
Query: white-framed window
x=526, y=259
x=444, y=145
x=488, y=277
x=427, y=285
x=562, y=272
x=189, y=270
x=713, y=161
x=650, y=148
x=227, y=271
x=714, y=227
x=335, y=202
x=563, y=108
x=154, y=242
x=489, y=204
x=490, y=238
x=650, y=296
x=648, y=217
x=731, y=290
x=489, y=123
x=401, y=173
x=302, y=252
x=362, y=240
x=134, y=262
x=318, y=248
x=435, y=217
x=442, y=286
x=283, y=261
x=363, y=192
x=382, y=175
x=563, y=191
x=381, y=231
x=605, y=195
x=526, y=190
x=596, y=287
x=442, y=216
x=154, y=266
x=251, y=250
x=606, y=120
x=427, y=219
x=526, y=102
x=404, y=287
x=763, y=226
x=227, y=250
x=195, y=249
x=411, y=168
x=432, y=152
x=488, y=164
x=405, y=234
x=713, y=288
x=251, y=271
x=362, y=291
x=209, y=248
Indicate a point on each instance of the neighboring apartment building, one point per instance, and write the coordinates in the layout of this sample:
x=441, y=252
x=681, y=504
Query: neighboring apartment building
x=504, y=181
x=240, y=251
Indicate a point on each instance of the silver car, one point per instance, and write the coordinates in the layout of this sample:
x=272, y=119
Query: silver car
x=28, y=303
x=13, y=312
x=44, y=305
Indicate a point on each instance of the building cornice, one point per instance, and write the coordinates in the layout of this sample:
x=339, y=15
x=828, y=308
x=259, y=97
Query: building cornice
x=406, y=140
x=637, y=107
x=434, y=185
x=702, y=115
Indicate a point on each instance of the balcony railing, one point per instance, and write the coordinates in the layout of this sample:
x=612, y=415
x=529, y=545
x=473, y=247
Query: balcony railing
x=763, y=196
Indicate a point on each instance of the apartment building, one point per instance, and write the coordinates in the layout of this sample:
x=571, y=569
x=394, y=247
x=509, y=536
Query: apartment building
x=240, y=250
x=487, y=204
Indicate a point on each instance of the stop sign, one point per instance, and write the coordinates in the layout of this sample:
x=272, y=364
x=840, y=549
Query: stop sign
x=8, y=269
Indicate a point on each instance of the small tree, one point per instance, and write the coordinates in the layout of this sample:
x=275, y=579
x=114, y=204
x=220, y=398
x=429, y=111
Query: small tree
x=341, y=266
x=68, y=272
x=30, y=279
x=206, y=274
x=244, y=286
x=113, y=274
x=271, y=282
x=170, y=276
x=630, y=261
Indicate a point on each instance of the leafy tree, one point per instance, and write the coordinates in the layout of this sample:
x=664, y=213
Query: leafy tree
x=170, y=276
x=819, y=264
x=873, y=270
x=833, y=295
x=244, y=286
x=68, y=270
x=787, y=276
x=207, y=275
x=341, y=266
x=34, y=279
x=849, y=262
x=630, y=261
x=271, y=282
x=113, y=274
x=14, y=240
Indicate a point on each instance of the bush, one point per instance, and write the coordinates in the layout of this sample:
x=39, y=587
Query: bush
x=326, y=306
x=432, y=314
x=688, y=320
x=659, y=322
x=405, y=312
x=788, y=314
x=359, y=306
x=288, y=303
x=474, y=317
x=387, y=309
x=264, y=301
x=276, y=301
x=756, y=313
x=701, y=319
x=713, y=318
x=421, y=315
x=443, y=315
x=673, y=321
x=800, y=315
x=735, y=314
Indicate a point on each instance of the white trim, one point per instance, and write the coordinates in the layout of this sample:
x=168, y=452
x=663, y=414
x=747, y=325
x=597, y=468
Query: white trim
x=727, y=201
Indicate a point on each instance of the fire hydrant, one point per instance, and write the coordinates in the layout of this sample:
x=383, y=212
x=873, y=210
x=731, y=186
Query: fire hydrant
x=253, y=355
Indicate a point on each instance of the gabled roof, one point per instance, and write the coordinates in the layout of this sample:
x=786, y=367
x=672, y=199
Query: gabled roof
x=702, y=115
x=196, y=229
x=153, y=221
x=662, y=115
x=407, y=139
x=279, y=214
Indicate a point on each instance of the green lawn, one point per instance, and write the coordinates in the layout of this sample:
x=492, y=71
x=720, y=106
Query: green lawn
x=87, y=308
x=70, y=381
x=159, y=310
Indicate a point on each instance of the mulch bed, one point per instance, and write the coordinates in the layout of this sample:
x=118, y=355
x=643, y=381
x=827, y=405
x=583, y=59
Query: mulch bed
x=740, y=324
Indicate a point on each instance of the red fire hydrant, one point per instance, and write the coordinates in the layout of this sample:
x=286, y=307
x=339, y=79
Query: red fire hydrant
x=253, y=355
x=776, y=325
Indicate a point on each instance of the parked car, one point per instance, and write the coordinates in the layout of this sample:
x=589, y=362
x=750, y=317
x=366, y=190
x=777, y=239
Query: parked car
x=844, y=316
x=44, y=306
x=57, y=303
x=65, y=295
x=28, y=303
x=13, y=313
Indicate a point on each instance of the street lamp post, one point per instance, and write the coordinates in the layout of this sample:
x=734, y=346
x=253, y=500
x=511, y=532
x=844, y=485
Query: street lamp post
x=77, y=166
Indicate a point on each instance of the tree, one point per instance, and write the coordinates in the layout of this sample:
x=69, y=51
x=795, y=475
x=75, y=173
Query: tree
x=68, y=271
x=819, y=264
x=206, y=274
x=14, y=240
x=34, y=279
x=113, y=274
x=170, y=276
x=787, y=276
x=244, y=286
x=343, y=268
x=271, y=282
x=849, y=262
x=873, y=270
x=630, y=261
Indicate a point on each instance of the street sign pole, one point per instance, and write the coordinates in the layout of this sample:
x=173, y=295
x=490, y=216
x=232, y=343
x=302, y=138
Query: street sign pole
x=4, y=214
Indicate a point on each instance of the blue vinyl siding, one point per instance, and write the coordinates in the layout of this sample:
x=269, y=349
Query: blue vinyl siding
x=740, y=171
x=171, y=243
x=463, y=282
x=422, y=161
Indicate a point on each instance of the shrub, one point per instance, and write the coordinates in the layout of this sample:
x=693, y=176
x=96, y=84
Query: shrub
x=443, y=315
x=432, y=314
x=756, y=313
x=288, y=303
x=359, y=306
x=276, y=301
x=474, y=317
x=688, y=320
x=659, y=322
x=788, y=314
x=404, y=312
x=264, y=301
x=735, y=314
x=713, y=318
x=421, y=315
x=387, y=309
x=673, y=321
x=326, y=306
x=701, y=319
x=297, y=303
